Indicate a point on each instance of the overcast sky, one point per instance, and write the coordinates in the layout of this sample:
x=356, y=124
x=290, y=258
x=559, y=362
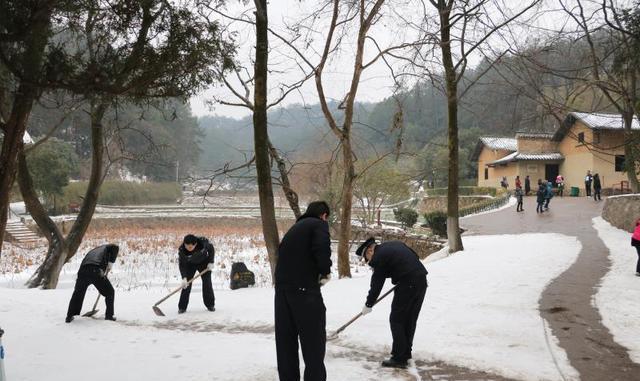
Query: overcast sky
x=376, y=82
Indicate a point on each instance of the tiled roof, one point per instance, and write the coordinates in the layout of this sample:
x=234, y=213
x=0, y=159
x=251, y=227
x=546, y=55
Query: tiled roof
x=534, y=135
x=517, y=156
x=605, y=121
x=507, y=144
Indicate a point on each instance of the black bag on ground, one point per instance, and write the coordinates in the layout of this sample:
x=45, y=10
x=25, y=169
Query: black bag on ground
x=241, y=277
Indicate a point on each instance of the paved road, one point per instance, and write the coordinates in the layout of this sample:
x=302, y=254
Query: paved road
x=566, y=303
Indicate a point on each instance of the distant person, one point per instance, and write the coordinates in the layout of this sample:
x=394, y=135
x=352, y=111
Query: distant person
x=519, y=198
x=587, y=183
x=597, y=187
x=304, y=265
x=504, y=183
x=196, y=254
x=518, y=182
x=540, y=193
x=395, y=260
x=548, y=195
x=560, y=185
x=635, y=242
x=527, y=185
x=93, y=271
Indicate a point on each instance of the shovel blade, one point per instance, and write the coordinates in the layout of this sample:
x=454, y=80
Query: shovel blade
x=332, y=337
x=158, y=311
x=90, y=313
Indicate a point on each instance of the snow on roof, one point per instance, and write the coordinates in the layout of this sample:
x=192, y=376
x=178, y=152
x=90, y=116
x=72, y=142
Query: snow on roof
x=534, y=135
x=517, y=156
x=605, y=121
x=507, y=144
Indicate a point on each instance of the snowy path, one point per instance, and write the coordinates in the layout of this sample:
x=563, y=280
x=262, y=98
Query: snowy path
x=618, y=298
x=567, y=303
x=480, y=319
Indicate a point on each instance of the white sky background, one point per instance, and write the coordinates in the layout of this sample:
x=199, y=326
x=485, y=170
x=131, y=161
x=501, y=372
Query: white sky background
x=376, y=82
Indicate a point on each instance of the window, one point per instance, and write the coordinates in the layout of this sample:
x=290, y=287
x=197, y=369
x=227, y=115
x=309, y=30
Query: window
x=486, y=173
x=581, y=137
x=619, y=163
x=596, y=137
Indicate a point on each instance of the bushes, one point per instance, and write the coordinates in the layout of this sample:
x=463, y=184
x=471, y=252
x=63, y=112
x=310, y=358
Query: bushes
x=407, y=216
x=464, y=191
x=122, y=193
x=483, y=206
x=437, y=222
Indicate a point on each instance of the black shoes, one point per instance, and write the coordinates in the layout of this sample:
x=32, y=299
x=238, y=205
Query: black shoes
x=393, y=363
x=69, y=319
x=181, y=311
x=112, y=318
x=211, y=308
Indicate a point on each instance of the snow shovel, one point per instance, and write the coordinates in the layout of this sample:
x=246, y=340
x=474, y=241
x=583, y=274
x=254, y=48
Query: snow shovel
x=95, y=305
x=155, y=307
x=334, y=335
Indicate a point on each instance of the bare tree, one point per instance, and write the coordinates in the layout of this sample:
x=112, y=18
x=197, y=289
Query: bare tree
x=613, y=57
x=465, y=26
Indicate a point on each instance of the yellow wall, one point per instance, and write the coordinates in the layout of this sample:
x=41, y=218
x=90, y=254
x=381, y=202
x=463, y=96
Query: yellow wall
x=577, y=157
x=536, y=145
x=611, y=142
x=534, y=169
x=487, y=156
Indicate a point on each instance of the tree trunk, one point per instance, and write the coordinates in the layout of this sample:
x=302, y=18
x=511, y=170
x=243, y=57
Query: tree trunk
x=630, y=153
x=453, y=221
x=289, y=193
x=261, y=137
x=26, y=94
x=62, y=249
x=344, y=233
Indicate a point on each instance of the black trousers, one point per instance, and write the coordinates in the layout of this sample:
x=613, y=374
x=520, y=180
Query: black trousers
x=519, y=206
x=405, y=308
x=208, y=296
x=87, y=276
x=300, y=314
x=638, y=264
x=596, y=194
x=587, y=187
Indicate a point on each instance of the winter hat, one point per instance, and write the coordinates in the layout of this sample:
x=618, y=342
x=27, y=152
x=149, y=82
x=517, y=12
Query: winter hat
x=190, y=239
x=364, y=246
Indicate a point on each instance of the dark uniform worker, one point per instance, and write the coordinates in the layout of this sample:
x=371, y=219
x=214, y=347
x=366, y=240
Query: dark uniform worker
x=304, y=264
x=395, y=260
x=93, y=270
x=196, y=254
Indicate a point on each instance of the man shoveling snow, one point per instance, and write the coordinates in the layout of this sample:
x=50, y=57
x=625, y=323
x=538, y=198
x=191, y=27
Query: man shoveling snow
x=395, y=260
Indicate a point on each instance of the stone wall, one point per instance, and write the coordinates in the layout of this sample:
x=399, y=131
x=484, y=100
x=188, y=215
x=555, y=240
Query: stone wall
x=432, y=203
x=423, y=246
x=622, y=211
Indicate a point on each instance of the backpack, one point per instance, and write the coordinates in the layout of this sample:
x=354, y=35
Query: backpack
x=241, y=277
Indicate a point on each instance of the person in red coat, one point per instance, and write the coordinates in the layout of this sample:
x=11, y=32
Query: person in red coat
x=635, y=242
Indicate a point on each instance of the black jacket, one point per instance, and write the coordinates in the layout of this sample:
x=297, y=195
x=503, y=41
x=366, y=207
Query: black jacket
x=202, y=253
x=596, y=183
x=100, y=257
x=304, y=254
x=395, y=260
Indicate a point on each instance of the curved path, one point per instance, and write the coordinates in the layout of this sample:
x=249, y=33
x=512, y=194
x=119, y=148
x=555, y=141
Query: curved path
x=566, y=303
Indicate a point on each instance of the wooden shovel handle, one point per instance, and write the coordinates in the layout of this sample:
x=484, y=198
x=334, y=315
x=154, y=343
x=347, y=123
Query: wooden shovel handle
x=180, y=288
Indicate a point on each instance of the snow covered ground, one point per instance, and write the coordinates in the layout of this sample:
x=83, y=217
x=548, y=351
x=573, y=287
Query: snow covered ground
x=481, y=312
x=618, y=298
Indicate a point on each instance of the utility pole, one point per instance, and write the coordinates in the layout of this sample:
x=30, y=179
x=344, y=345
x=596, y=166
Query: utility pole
x=177, y=171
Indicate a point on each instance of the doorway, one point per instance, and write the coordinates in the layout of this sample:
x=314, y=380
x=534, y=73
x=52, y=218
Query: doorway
x=551, y=171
